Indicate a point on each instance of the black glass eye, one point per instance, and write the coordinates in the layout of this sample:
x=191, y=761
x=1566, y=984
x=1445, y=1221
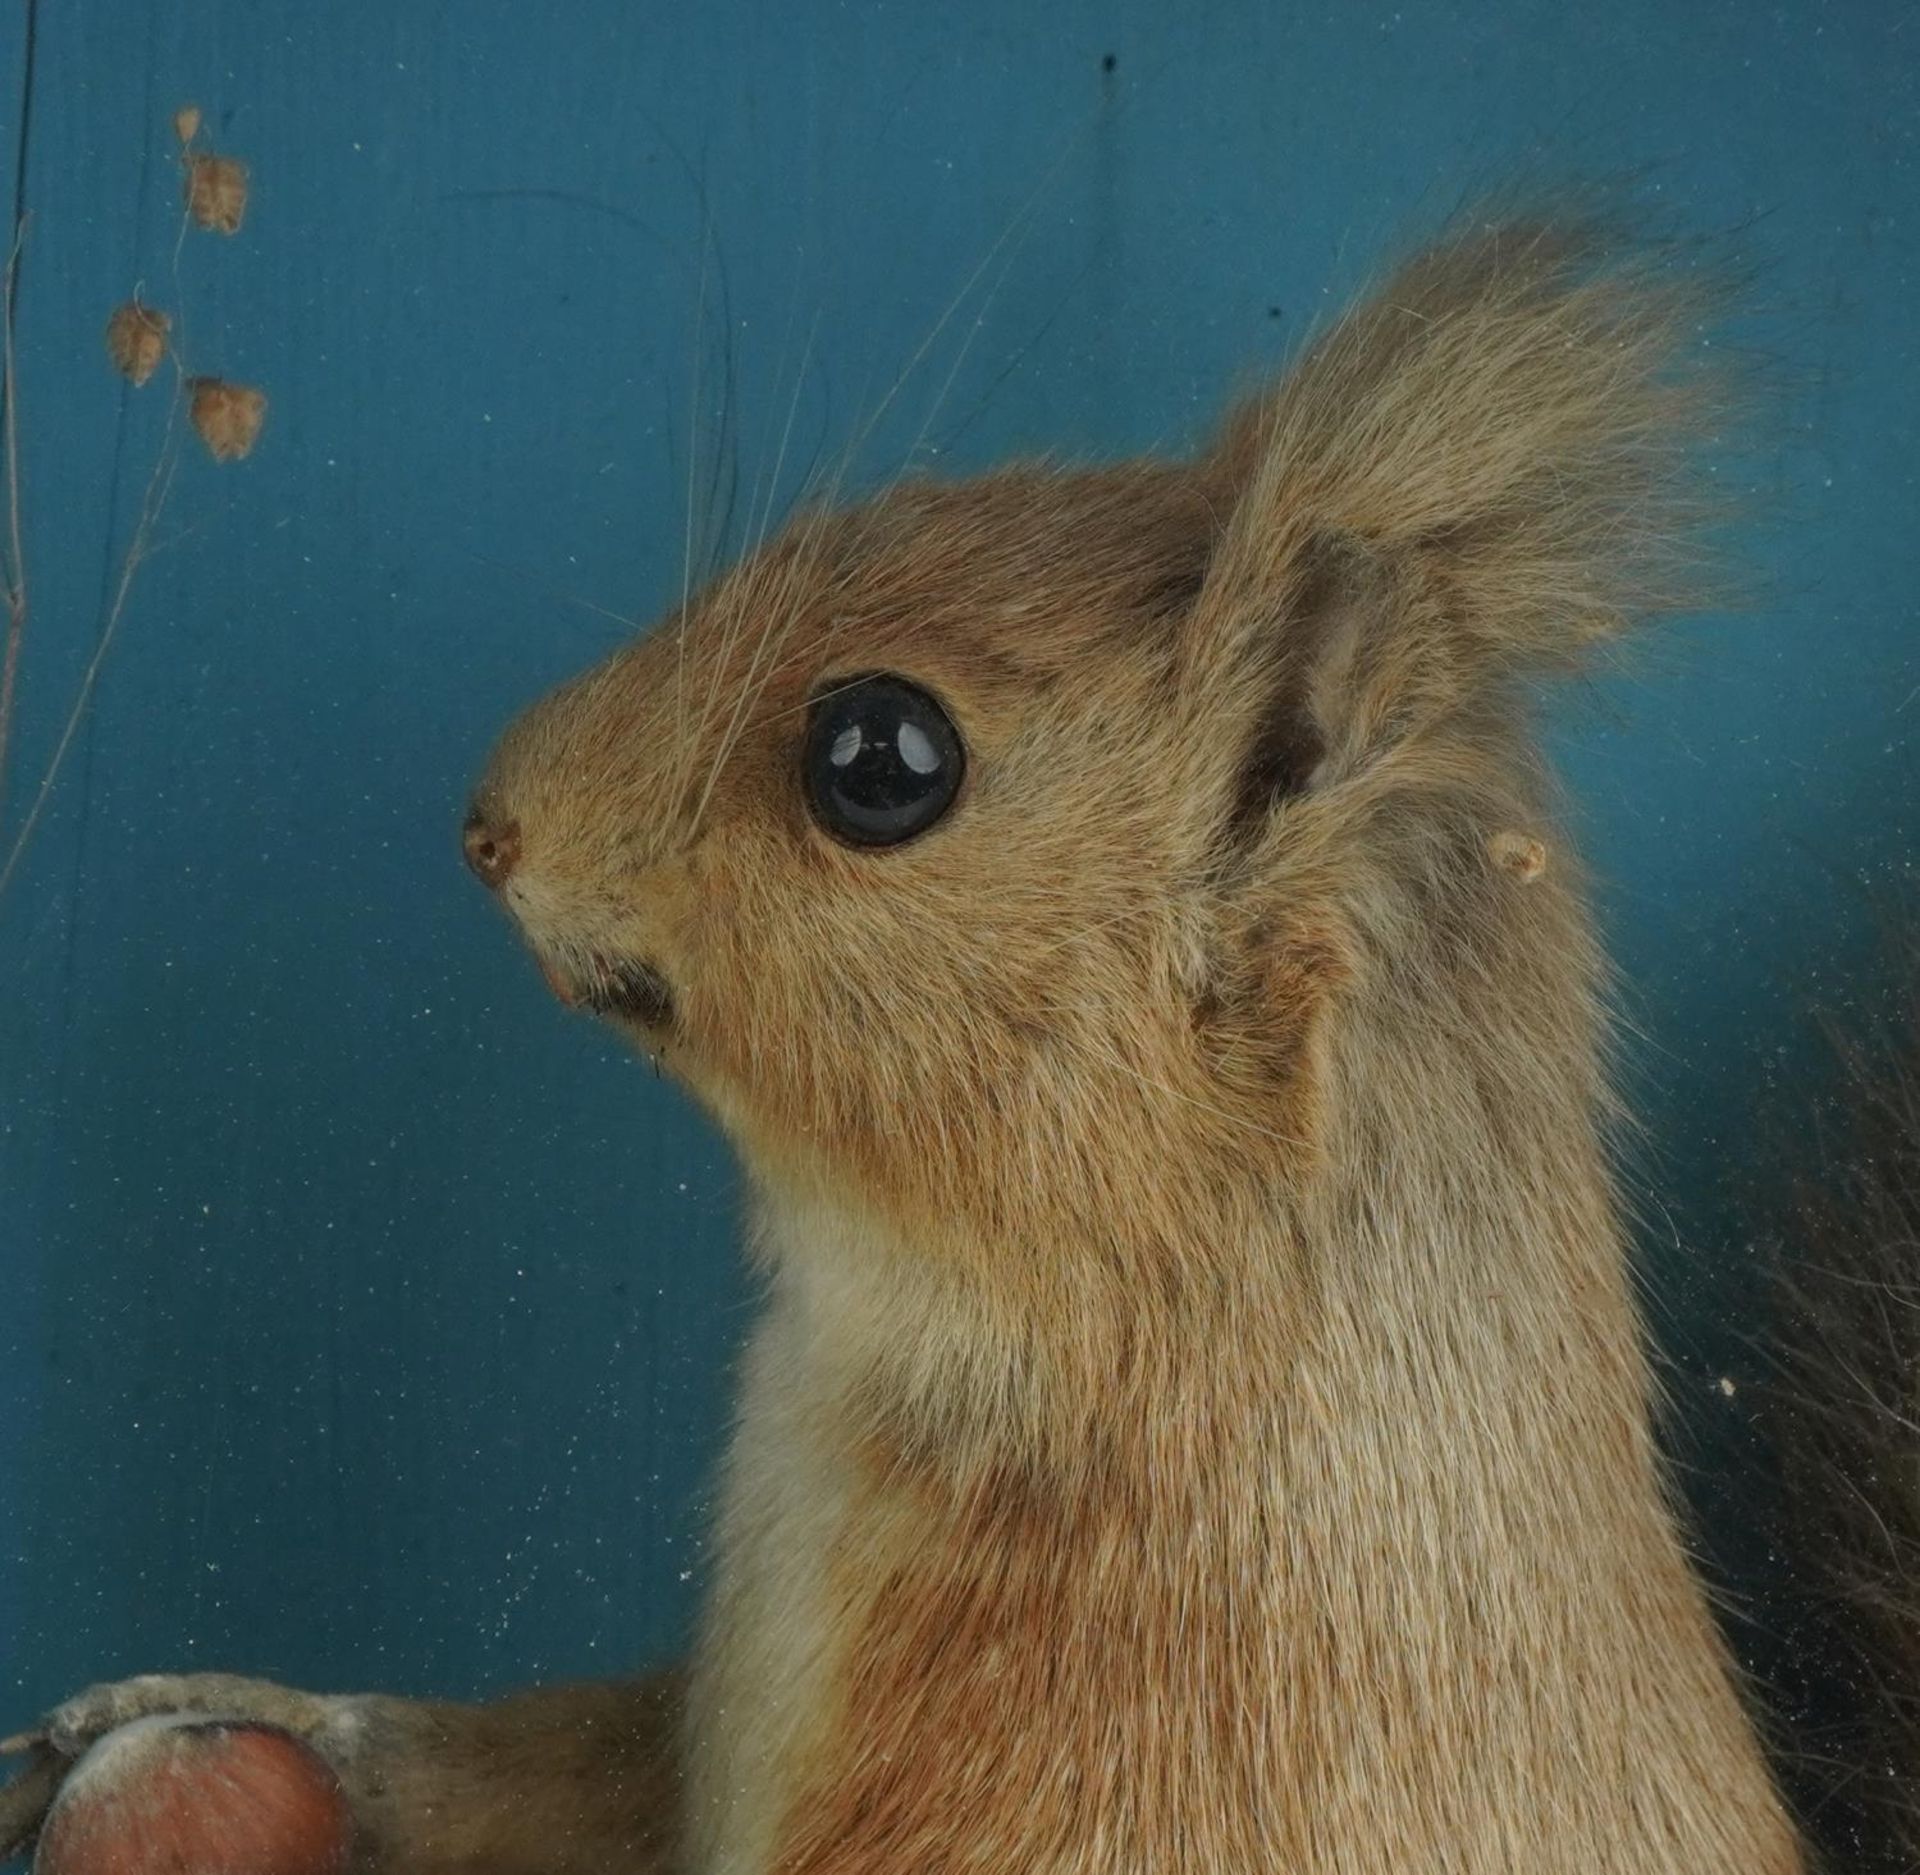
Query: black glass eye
x=883, y=761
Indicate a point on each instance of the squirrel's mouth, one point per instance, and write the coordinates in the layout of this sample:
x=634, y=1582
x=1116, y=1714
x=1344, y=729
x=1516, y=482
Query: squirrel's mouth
x=613, y=987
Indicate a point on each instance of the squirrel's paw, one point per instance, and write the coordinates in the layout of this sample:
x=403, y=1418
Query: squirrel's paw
x=25, y=1800
x=76, y=1723
x=52, y=1747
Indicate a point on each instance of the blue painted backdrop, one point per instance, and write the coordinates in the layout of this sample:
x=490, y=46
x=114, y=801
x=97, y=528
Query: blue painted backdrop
x=363, y=1320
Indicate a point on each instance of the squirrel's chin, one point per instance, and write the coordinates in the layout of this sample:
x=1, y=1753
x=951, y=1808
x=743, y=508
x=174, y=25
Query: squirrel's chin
x=636, y=992
x=632, y=991
x=559, y=982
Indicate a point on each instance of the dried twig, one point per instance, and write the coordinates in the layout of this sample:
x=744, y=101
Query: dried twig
x=151, y=502
x=13, y=571
x=227, y=417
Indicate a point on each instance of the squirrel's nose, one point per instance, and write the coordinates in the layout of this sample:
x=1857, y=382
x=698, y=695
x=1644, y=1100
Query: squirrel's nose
x=492, y=847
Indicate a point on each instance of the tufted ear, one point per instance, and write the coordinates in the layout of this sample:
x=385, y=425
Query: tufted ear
x=1476, y=476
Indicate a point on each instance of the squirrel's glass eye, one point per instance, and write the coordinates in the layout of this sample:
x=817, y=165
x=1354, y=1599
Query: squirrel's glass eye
x=883, y=761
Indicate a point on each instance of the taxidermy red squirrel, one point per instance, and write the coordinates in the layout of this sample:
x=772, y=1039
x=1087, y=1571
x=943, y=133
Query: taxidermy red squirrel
x=1199, y=1420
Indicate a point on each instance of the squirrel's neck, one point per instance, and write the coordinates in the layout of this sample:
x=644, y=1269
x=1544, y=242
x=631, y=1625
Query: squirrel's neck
x=1358, y=1561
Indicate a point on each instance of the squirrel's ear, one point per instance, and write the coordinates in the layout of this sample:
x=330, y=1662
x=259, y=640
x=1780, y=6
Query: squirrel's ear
x=1477, y=475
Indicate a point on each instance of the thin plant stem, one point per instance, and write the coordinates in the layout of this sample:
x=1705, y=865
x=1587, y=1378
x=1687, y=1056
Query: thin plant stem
x=13, y=574
x=152, y=501
x=15, y=570
x=139, y=547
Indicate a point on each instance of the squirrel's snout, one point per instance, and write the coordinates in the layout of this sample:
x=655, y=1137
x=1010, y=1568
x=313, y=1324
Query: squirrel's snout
x=492, y=847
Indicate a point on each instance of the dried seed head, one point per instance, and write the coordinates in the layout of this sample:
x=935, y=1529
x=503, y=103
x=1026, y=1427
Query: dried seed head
x=1519, y=854
x=217, y=192
x=228, y=417
x=137, y=340
x=186, y=123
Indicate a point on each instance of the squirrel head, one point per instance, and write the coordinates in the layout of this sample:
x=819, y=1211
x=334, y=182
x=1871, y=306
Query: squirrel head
x=1023, y=855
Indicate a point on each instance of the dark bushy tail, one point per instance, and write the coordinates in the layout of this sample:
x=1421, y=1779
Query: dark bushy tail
x=1846, y=1419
